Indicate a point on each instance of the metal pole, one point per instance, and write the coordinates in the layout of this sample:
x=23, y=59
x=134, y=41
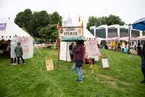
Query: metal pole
x=129, y=31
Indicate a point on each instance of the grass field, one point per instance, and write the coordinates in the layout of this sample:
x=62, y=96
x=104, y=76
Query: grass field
x=32, y=79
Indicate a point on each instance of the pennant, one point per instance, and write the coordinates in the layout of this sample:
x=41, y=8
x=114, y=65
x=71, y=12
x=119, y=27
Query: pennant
x=79, y=19
x=58, y=26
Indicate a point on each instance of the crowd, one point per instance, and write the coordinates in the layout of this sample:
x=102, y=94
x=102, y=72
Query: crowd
x=123, y=46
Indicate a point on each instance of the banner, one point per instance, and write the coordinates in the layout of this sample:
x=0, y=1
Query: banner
x=3, y=26
x=27, y=46
x=92, y=50
x=70, y=31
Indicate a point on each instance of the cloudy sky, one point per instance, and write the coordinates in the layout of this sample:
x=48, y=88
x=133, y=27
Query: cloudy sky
x=128, y=10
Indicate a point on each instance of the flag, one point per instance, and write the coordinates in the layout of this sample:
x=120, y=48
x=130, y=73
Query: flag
x=58, y=26
x=79, y=19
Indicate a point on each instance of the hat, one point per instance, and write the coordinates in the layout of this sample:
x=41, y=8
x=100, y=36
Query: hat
x=18, y=43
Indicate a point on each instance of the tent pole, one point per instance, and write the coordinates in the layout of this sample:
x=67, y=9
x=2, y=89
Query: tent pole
x=129, y=29
x=66, y=51
x=58, y=56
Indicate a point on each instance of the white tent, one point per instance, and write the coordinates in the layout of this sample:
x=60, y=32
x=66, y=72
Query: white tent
x=10, y=31
x=64, y=46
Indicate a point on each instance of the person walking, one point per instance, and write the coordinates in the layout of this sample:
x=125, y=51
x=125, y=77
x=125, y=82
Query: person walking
x=143, y=63
x=79, y=51
x=19, y=53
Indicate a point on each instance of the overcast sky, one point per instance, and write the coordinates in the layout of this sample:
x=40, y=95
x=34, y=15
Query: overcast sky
x=128, y=10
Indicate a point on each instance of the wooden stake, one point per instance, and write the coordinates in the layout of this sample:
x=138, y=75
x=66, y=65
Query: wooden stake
x=58, y=56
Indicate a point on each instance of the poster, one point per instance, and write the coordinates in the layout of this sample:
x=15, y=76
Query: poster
x=92, y=50
x=3, y=26
x=105, y=63
x=27, y=46
x=49, y=65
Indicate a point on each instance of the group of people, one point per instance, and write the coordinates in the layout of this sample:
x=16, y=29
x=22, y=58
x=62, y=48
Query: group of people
x=77, y=55
x=123, y=46
x=16, y=53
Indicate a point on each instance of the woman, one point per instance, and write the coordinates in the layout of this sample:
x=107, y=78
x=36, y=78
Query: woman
x=79, y=52
x=143, y=63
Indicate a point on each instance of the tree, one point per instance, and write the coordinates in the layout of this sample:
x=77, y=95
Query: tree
x=112, y=19
x=55, y=18
x=49, y=33
x=91, y=21
x=97, y=21
x=39, y=24
x=23, y=20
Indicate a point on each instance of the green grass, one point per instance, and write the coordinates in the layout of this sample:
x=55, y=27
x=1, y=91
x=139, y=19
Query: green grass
x=32, y=79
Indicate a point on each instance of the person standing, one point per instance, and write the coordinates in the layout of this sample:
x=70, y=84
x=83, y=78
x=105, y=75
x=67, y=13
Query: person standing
x=19, y=53
x=139, y=49
x=11, y=49
x=71, y=52
x=143, y=63
x=79, y=51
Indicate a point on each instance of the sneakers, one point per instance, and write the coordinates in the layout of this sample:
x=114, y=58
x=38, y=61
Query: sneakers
x=83, y=76
x=80, y=81
x=15, y=64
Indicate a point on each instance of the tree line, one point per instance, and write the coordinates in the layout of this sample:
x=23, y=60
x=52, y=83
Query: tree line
x=42, y=25
x=110, y=20
x=39, y=24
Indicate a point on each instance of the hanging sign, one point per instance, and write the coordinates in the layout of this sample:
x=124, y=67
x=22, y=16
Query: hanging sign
x=92, y=50
x=70, y=31
x=3, y=26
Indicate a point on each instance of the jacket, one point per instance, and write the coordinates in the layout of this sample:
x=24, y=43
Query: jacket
x=18, y=51
x=79, y=53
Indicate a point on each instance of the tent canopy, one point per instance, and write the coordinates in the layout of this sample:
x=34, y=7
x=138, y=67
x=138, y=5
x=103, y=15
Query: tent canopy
x=9, y=30
x=139, y=24
x=73, y=38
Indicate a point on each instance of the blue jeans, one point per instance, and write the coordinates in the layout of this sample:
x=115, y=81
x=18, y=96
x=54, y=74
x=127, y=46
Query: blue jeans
x=79, y=71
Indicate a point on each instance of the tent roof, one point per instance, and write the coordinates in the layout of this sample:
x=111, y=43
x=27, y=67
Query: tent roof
x=11, y=30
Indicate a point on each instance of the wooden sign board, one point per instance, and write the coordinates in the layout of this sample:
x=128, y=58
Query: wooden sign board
x=71, y=31
x=49, y=65
x=105, y=63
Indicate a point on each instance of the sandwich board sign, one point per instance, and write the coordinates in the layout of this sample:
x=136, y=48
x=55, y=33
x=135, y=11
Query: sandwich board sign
x=105, y=63
x=49, y=65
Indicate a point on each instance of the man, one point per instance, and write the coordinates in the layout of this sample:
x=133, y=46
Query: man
x=71, y=52
x=19, y=53
x=79, y=51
